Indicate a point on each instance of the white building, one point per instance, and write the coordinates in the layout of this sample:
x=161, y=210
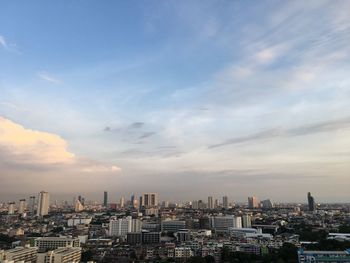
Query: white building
x=123, y=226
x=44, y=243
x=43, y=204
x=60, y=255
x=78, y=206
x=11, y=208
x=246, y=221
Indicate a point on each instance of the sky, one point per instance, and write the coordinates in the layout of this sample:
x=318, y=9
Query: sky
x=184, y=98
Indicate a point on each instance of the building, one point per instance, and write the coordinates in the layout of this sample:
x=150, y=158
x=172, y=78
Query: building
x=81, y=220
x=267, y=204
x=210, y=202
x=183, y=235
x=149, y=200
x=52, y=243
x=225, y=202
x=311, y=202
x=323, y=256
x=222, y=223
x=11, y=208
x=78, y=206
x=122, y=202
x=43, y=204
x=22, y=206
x=173, y=225
x=105, y=198
x=143, y=237
x=19, y=254
x=61, y=255
x=31, y=205
x=253, y=202
x=123, y=226
x=246, y=221
x=238, y=222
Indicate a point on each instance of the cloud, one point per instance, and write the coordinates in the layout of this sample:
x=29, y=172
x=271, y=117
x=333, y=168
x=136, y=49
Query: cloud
x=136, y=125
x=326, y=126
x=46, y=76
x=3, y=42
x=41, y=150
x=147, y=134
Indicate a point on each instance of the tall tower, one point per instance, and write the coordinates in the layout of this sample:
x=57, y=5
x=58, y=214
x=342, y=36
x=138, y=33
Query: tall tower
x=253, y=202
x=149, y=199
x=210, y=202
x=225, y=202
x=122, y=202
x=311, y=202
x=22, y=206
x=31, y=205
x=105, y=198
x=43, y=204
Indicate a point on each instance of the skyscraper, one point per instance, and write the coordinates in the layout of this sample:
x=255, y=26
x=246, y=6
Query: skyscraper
x=225, y=202
x=31, y=205
x=43, y=204
x=105, y=198
x=11, y=208
x=253, y=202
x=311, y=202
x=122, y=202
x=149, y=199
x=22, y=206
x=210, y=202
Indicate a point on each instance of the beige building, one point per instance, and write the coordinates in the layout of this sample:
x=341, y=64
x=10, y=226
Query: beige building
x=19, y=254
x=43, y=203
x=45, y=243
x=61, y=255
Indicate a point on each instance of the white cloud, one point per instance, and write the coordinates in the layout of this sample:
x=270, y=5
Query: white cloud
x=3, y=42
x=48, y=77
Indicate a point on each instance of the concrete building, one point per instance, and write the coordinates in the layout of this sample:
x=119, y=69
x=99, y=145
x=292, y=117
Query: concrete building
x=43, y=204
x=149, y=200
x=19, y=254
x=61, y=255
x=311, y=202
x=246, y=221
x=11, y=208
x=253, y=202
x=222, y=223
x=210, y=202
x=78, y=206
x=51, y=243
x=105, y=198
x=225, y=202
x=22, y=206
x=323, y=256
x=173, y=225
x=267, y=204
x=123, y=226
x=238, y=222
x=31, y=207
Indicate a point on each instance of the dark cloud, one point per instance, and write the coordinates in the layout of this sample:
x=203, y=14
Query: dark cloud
x=147, y=134
x=107, y=128
x=308, y=129
x=136, y=125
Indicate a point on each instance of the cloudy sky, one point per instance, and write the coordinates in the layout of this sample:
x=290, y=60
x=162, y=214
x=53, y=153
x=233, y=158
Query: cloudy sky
x=184, y=98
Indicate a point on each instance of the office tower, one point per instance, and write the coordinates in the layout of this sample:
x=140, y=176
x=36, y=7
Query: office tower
x=78, y=206
x=31, y=205
x=105, y=198
x=216, y=203
x=210, y=202
x=195, y=204
x=22, y=206
x=253, y=202
x=246, y=221
x=43, y=204
x=311, y=202
x=173, y=225
x=122, y=202
x=11, y=208
x=267, y=204
x=149, y=199
x=132, y=201
x=222, y=223
x=225, y=202
x=238, y=222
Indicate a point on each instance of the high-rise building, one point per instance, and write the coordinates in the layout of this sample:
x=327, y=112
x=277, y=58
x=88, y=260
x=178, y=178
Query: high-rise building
x=11, y=208
x=31, y=205
x=311, y=202
x=253, y=202
x=105, y=198
x=222, y=223
x=43, y=204
x=225, y=202
x=22, y=206
x=122, y=202
x=78, y=206
x=267, y=204
x=210, y=202
x=149, y=199
x=122, y=226
x=238, y=222
x=246, y=221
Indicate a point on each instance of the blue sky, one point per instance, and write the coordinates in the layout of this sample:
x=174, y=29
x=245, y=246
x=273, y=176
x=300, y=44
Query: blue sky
x=187, y=98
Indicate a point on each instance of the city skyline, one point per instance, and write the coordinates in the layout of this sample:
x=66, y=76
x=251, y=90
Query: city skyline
x=183, y=99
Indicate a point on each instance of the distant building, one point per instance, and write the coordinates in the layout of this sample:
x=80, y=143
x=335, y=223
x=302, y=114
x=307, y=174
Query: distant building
x=122, y=226
x=105, y=198
x=78, y=206
x=22, y=206
x=122, y=202
x=222, y=223
x=225, y=202
x=173, y=225
x=149, y=200
x=246, y=221
x=11, y=208
x=311, y=202
x=31, y=207
x=43, y=204
x=210, y=202
x=253, y=202
x=323, y=256
x=266, y=204
x=51, y=243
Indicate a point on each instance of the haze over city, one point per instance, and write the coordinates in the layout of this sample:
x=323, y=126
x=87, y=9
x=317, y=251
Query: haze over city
x=182, y=98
